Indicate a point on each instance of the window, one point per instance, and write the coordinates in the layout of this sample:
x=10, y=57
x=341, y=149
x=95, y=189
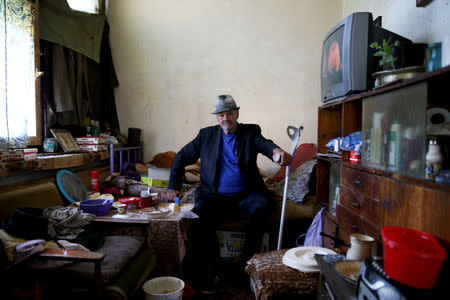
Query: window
x=19, y=101
x=20, y=106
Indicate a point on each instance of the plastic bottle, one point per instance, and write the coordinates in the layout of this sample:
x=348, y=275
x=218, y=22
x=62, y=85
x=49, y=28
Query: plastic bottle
x=433, y=160
x=95, y=128
x=176, y=206
x=394, y=145
x=95, y=183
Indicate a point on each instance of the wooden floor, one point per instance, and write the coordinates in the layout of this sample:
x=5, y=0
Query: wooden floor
x=230, y=286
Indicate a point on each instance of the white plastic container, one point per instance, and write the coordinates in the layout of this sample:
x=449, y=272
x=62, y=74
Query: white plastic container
x=433, y=160
x=163, y=288
x=231, y=245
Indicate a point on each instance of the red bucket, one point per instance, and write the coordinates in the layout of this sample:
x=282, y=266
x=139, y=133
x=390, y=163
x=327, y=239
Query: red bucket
x=412, y=257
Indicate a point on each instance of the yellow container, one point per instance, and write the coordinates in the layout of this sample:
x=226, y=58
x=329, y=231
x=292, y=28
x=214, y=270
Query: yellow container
x=158, y=183
x=144, y=179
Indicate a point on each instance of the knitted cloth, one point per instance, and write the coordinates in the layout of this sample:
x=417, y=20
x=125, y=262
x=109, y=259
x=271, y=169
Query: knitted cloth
x=272, y=278
x=66, y=222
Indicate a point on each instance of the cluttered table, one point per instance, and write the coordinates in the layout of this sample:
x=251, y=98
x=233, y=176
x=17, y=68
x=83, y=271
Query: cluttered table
x=166, y=232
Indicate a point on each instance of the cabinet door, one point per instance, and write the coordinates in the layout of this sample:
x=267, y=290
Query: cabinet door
x=421, y=208
x=394, y=132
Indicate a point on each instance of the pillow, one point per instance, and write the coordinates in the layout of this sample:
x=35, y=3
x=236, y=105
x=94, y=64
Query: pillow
x=298, y=186
x=163, y=160
x=302, y=154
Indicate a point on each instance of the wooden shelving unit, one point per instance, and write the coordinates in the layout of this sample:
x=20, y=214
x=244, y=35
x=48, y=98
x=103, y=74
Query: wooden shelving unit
x=370, y=197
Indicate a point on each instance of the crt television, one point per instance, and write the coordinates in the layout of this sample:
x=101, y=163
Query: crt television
x=347, y=59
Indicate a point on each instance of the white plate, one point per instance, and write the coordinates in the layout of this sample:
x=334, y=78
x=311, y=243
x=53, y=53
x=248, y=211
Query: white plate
x=302, y=258
x=296, y=266
x=121, y=216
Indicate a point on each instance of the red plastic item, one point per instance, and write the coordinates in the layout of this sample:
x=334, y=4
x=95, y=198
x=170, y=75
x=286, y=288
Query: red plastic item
x=131, y=200
x=95, y=182
x=412, y=257
x=146, y=202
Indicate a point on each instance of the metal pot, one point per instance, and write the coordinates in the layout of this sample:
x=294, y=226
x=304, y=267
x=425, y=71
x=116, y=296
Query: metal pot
x=384, y=77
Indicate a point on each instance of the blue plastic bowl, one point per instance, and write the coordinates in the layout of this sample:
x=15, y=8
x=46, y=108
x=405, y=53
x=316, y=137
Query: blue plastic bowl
x=98, y=207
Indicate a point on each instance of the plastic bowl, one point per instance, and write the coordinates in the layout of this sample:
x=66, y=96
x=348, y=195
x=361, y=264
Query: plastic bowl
x=98, y=207
x=412, y=257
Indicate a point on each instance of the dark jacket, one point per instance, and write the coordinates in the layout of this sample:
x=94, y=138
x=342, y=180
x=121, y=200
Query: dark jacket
x=206, y=146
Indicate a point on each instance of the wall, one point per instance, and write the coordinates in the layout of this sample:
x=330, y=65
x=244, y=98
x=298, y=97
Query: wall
x=174, y=57
x=429, y=24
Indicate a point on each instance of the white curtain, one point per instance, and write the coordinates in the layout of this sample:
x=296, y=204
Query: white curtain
x=17, y=76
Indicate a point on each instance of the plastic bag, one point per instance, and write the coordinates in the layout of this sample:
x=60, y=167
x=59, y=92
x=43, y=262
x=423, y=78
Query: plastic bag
x=349, y=142
x=312, y=236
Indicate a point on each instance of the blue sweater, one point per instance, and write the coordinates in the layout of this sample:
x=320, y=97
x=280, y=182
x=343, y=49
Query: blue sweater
x=230, y=181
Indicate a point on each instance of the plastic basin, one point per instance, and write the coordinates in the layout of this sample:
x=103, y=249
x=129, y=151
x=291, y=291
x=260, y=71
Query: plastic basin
x=412, y=257
x=163, y=288
x=98, y=207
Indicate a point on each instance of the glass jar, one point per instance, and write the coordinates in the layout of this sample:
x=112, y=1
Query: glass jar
x=50, y=145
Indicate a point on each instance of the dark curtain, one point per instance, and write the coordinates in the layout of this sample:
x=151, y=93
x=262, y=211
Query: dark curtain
x=75, y=87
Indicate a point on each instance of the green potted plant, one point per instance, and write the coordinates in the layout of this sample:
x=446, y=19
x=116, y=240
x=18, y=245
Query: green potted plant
x=386, y=52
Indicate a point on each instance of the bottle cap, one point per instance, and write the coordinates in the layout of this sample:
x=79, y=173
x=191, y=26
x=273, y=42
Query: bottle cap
x=177, y=200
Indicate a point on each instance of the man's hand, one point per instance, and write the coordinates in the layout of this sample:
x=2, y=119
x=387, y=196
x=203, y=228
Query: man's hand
x=170, y=195
x=281, y=158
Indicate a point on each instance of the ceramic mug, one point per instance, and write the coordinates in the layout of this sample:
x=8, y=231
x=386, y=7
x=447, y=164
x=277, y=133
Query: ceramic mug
x=360, y=247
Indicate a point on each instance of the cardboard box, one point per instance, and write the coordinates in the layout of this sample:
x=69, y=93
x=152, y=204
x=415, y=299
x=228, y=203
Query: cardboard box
x=90, y=140
x=18, y=154
x=93, y=148
x=158, y=183
x=11, y=155
x=158, y=177
x=144, y=179
x=30, y=153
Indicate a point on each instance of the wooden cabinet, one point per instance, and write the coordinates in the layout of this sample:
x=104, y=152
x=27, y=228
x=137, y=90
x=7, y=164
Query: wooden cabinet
x=374, y=196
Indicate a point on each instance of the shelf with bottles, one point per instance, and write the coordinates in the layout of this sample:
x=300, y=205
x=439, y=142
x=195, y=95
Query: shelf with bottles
x=393, y=130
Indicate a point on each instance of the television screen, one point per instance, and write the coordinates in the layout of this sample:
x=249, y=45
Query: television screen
x=332, y=59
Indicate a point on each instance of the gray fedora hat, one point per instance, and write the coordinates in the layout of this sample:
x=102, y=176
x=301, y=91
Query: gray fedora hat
x=224, y=103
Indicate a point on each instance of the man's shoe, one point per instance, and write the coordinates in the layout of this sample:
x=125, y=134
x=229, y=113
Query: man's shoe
x=209, y=286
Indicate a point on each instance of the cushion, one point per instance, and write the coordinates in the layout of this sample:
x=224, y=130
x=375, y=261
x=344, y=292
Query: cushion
x=163, y=160
x=302, y=154
x=119, y=251
x=298, y=186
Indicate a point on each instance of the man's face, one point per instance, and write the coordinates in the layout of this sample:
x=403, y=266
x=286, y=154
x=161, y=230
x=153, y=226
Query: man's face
x=228, y=120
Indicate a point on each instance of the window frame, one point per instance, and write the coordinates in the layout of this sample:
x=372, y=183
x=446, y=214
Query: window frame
x=37, y=138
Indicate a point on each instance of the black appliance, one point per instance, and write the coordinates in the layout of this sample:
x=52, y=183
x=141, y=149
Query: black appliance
x=374, y=283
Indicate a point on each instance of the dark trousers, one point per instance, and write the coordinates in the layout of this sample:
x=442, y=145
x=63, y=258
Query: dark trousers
x=254, y=207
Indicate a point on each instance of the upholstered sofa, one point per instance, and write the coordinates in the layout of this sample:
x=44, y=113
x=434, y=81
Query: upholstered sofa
x=127, y=263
